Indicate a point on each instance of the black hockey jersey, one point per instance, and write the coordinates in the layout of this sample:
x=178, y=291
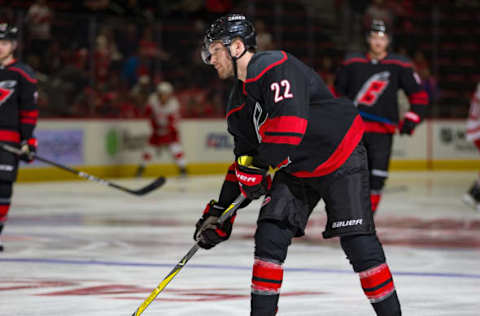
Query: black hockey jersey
x=18, y=102
x=285, y=116
x=373, y=85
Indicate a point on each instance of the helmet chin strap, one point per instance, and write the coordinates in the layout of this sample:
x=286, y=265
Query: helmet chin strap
x=234, y=61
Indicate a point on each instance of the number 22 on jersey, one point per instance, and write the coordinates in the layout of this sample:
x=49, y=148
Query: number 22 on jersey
x=277, y=89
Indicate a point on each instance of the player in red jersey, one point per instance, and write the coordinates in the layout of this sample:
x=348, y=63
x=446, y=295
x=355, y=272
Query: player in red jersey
x=282, y=115
x=472, y=197
x=18, y=115
x=163, y=110
x=371, y=80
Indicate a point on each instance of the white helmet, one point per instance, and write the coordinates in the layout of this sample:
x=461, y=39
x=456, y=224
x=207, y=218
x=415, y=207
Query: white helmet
x=165, y=87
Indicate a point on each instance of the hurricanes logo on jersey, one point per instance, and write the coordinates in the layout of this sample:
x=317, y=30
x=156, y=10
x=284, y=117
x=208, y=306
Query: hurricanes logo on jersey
x=372, y=89
x=6, y=90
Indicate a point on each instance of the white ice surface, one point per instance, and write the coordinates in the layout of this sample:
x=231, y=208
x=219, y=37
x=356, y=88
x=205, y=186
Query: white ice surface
x=79, y=248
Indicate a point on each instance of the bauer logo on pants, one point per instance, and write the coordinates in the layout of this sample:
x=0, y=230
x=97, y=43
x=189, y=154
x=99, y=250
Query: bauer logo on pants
x=352, y=222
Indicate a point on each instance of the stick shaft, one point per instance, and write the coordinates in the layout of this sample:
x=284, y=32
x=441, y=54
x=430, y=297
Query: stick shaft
x=82, y=174
x=226, y=215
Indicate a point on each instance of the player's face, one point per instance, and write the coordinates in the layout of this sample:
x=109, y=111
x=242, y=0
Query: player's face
x=6, y=49
x=378, y=42
x=221, y=60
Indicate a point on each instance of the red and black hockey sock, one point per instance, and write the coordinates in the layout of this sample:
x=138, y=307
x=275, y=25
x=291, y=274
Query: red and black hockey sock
x=367, y=258
x=5, y=196
x=377, y=284
x=266, y=283
x=375, y=198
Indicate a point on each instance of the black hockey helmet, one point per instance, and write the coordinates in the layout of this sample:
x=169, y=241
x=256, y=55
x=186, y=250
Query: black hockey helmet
x=378, y=26
x=8, y=32
x=226, y=29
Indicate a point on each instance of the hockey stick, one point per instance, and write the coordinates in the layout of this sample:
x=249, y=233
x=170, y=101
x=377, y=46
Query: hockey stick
x=225, y=215
x=146, y=189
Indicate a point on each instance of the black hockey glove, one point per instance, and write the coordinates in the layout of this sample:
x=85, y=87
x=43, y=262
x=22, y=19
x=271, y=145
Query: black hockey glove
x=409, y=123
x=208, y=233
x=254, y=182
x=28, y=149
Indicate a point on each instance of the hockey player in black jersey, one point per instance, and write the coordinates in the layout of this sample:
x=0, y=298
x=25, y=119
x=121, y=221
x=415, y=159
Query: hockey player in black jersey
x=18, y=115
x=372, y=81
x=282, y=116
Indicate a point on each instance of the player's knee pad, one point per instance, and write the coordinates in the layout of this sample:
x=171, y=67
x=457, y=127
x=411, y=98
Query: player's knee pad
x=363, y=251
x=5, y=196
x=272, y=239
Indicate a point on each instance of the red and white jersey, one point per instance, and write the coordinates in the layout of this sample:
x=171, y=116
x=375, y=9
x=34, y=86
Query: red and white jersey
x=163, y=117
x=473, y=122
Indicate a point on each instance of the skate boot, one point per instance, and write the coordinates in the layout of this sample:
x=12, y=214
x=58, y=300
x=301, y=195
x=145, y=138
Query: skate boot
x=472, y=197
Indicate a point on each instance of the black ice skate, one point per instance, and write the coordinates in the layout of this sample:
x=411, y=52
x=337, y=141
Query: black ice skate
x=472, y=197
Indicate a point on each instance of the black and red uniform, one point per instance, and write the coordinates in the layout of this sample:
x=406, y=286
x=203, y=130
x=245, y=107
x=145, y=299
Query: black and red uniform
x=373, y=86
x=18, y=118
x=284, y=116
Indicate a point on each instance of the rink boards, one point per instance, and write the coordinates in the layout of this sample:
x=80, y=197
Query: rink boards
x=113, y=148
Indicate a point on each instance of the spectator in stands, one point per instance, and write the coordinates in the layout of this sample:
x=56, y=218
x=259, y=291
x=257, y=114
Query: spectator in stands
x=327, y=73
x=140, y=92
x=264, y=38
x=351, y=23
x=102, y=59
x=472, y=197
x=428, y=82
x=378, y=10
x=39, y=19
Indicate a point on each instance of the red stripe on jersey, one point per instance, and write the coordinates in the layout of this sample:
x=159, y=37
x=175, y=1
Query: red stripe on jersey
x=341, y=154
x=23, y=73
x=284, y=163
x=29, y=113
x=28, y=121
x=281, y=61
x=419, y=98
x=9, y=136
x=290, y=140
x=355, y=60
x=283, y=124
x=378, y=127
x=238, y=108
x=397, y=62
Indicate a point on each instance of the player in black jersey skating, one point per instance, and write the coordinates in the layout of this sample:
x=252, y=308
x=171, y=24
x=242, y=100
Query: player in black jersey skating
x=282, y=116
x=18, y=115
x=372, y=81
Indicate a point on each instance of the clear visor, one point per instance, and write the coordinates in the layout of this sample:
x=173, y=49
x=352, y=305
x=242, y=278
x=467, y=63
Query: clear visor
x=206, y=55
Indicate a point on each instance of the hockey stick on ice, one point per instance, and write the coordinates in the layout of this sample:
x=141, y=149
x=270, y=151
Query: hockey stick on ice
x=142, y=191
x=225, y=215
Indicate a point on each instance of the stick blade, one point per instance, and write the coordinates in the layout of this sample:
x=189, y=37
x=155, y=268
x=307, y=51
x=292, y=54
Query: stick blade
x=152, y=186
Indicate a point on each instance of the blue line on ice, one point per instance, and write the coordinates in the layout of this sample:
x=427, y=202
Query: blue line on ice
x=226, y=267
